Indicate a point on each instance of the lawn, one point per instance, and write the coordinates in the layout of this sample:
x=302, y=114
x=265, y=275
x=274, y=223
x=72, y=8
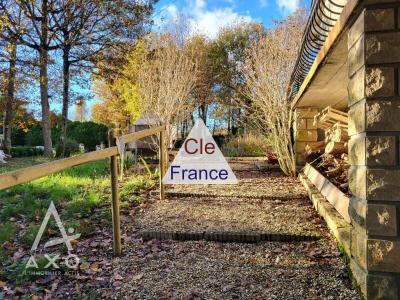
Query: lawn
x=81, y=196
x=22, y=162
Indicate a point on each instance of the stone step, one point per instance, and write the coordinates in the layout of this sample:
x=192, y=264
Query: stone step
x=222, y=195
x=227, y=237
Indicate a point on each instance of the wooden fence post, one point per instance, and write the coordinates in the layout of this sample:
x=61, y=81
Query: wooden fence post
x=161, y=163
x=115, y=197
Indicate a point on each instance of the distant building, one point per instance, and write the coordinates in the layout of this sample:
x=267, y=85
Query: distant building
x=80, y=110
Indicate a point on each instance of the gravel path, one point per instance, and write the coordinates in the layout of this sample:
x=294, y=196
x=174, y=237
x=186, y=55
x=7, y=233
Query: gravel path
x=252, y=184
x=211, y=270
x=267, y=202
x=231, y=215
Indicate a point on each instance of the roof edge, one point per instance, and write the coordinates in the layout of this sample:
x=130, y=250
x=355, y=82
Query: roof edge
x=330, y=41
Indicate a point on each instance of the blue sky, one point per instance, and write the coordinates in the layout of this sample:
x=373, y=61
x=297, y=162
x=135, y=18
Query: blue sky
x=207, y=16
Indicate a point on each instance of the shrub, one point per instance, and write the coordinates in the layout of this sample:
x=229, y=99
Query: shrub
x=246, y=145
x=133, y=186
x=71, y=147
x=88, y=133
x=18, y=136
x=34, y=137
x=24, y=151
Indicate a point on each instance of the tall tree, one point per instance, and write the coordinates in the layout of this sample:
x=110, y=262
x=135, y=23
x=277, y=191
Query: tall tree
x=203, y=93
x=36, y=30
x=11, y=50
x=228, y=53
x=88, y=27
x=267, y=68
x=9, y=62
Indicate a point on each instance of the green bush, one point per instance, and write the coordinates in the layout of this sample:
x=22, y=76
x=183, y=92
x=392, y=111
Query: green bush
x=71, y=147
x=34, y=137
x=18, y=136
x=25, y=151
x=88, y=133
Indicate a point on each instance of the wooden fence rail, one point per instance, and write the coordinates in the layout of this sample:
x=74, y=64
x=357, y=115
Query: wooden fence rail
x=20, y=176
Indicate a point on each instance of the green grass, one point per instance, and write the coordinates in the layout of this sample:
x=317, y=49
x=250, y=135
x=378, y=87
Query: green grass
x=77, y=190
x=22, y=162
x=7, y=232
x=81, y=195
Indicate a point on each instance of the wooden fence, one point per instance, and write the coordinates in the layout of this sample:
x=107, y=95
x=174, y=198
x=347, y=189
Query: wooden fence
x=20, y=176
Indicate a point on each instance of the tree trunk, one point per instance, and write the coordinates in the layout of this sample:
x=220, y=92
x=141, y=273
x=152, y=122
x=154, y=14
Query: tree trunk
x=44, y=97
x=229, y=119
x=10, y=96
x=65, y=104
x=203, y=112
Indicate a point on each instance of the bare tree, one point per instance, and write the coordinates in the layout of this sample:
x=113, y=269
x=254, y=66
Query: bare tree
x=203, y=93
x=267, y=70
x=166, y=78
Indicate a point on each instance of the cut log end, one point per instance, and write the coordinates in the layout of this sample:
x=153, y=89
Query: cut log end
x=333, y=147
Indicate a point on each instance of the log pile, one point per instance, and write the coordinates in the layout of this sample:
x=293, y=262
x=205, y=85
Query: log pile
x=330, y=156
x=334, y=123
x=335, y=169
x=329, y=117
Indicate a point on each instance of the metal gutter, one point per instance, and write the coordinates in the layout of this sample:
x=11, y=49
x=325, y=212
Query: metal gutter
x=323, y=16
x=329, y=42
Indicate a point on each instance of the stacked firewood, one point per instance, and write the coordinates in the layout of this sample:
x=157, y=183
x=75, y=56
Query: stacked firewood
x=334, y=168
x=334, y=123
x=330, y=156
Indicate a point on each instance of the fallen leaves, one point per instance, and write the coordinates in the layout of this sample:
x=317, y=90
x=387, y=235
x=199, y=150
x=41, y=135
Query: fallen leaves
x=204, y=270
x=137, y=277
x=118, y=276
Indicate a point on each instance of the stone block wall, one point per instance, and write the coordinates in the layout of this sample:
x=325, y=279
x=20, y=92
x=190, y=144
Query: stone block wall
x=374, y=130
x=304, y=131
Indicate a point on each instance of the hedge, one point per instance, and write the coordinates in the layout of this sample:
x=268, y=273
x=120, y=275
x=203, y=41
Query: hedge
x=24, y=151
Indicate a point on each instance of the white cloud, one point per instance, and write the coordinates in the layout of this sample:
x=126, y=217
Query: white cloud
x=200, y=3
x=288, y=6
x=204, y=20
x=263, y=3
x=172, y=10
x=210, y=22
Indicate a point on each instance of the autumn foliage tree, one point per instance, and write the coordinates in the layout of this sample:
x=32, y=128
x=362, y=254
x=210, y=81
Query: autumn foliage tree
x=82, y=31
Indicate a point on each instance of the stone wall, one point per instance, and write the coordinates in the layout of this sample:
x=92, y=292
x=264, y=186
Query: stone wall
x=374, y=127
x=304, y=131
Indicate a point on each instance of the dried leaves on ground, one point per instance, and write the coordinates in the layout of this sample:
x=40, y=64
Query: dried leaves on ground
x=200, y=269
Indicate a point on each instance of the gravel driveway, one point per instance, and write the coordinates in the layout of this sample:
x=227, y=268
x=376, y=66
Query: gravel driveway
x=266, y=202
x=210, y=270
